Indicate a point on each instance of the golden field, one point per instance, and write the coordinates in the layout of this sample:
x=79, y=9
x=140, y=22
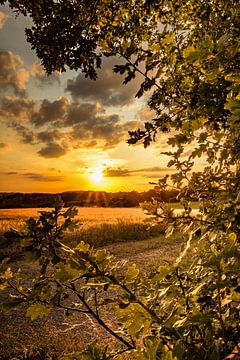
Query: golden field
x=87, y=216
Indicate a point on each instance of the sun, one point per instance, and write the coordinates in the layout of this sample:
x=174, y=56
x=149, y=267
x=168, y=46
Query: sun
x=97, y=173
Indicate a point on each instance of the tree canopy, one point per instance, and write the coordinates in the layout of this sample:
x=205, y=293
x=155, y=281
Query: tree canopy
x=188, y=53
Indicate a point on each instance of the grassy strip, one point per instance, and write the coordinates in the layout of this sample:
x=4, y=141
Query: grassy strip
x=105, y=234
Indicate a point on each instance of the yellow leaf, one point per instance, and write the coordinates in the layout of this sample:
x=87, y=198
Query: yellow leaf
x=132, y=273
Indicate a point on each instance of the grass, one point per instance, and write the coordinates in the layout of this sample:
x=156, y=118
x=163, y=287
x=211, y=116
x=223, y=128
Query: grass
x=120, y=231
x=126, y=236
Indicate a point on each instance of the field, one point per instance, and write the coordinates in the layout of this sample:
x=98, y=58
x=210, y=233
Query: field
x=87, y=216
x=123, y=232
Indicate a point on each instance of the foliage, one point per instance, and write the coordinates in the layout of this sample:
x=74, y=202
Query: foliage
x=188, y=54
x=178, y=311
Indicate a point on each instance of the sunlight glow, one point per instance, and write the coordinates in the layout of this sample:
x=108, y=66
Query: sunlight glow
x=97, y=174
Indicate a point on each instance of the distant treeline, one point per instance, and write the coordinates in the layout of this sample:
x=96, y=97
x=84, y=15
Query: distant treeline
x=84, y=198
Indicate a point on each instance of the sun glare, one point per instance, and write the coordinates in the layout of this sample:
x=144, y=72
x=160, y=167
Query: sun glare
x=96, y=174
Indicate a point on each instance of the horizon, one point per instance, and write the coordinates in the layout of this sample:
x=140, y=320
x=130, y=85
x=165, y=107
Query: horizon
x=69, y=191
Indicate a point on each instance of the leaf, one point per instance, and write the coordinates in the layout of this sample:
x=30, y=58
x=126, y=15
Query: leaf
x=65, y=272
x=37, y=311
x=82, y=247
x=132, y=273
x=232, y=237
x=101, y=255
x=151, y=344
x=168, y=39
x=8, y=274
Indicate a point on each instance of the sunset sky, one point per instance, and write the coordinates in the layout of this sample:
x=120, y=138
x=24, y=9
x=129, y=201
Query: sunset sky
x=65, y=132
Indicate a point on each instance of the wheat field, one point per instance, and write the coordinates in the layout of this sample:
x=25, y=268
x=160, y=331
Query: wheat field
x=87, y=216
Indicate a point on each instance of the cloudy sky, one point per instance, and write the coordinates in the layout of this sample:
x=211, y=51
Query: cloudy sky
x=65, y=132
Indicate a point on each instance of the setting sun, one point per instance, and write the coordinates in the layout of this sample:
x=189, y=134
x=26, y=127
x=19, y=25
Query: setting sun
x=97, y=174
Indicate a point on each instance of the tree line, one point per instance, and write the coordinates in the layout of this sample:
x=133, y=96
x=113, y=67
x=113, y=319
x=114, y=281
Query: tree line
x=85, y=198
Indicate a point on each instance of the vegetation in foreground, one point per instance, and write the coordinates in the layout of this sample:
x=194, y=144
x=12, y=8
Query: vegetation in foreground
x=89, y=282
x=60, y=333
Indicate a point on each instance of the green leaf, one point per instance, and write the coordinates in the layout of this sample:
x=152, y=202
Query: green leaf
x=65, y=272
x=101, y=255
x=132, y=273
x=151, y=344
x=37, y=311
x=82, y=247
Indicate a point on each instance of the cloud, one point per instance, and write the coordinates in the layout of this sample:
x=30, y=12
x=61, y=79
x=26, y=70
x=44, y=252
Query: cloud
x=153, y=169
x=50, y=112
x=38, y=72
x=35, y=176
x=108, y=89
x=41, y=177
x=62, y=125
x=12, y=74
x=83, y=113
x=27, y=135
x=17, y=107
x=111, y=172
x=49, y=136
x=52, y=150
x=91, y=126
x=119, y=172
x=4, y=146
x=101, y=131
x=3, y=18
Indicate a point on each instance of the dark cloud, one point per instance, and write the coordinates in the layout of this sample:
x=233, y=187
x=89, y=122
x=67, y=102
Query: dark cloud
x=16, y=107
x=12, y=74
x=105, y=132
x=50, y=112
x=118, y=172
x=55, y=170
x=49, y=136
x=52, y=150
x=83, y=114
x=153, y=169
x=90, y=122
x=111, y=172
x=64, y=125
x=41, y=177
x=27, y=135
x=107, y=89
x=35, y=176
